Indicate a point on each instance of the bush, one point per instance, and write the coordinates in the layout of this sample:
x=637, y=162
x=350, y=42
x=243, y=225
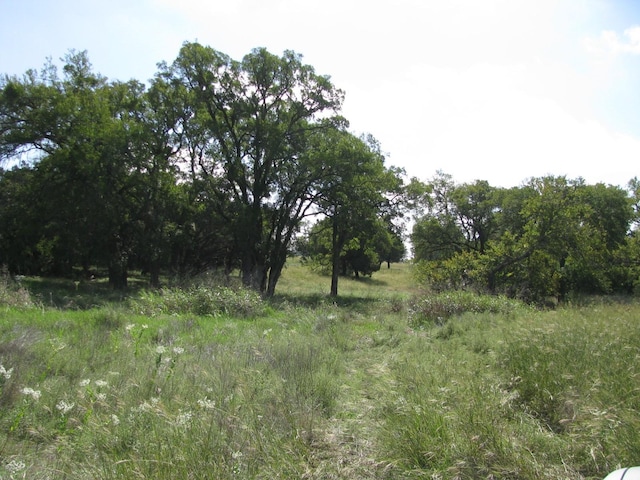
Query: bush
x=200, y=300
x=12, y=294
x=437, y=308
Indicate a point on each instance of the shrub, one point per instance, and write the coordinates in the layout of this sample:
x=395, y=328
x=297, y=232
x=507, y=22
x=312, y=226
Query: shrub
x=437, y=308
x=200, y=300
x=13, y=294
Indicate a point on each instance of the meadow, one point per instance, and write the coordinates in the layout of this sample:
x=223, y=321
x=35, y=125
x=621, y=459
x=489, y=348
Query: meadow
x=209, y=381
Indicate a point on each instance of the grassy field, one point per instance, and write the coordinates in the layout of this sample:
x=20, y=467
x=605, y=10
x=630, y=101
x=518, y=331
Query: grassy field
x=384, y=382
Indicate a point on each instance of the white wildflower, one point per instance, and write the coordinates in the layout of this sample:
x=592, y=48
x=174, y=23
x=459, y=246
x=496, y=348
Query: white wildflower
x=65, y=407
x=178, y=350
x=35, y=394
x=101, y=397
x=237, y=454
x=6, y=373
x=130, y=327
x=144, y=326
x=14, y=466
x=114, y=419
x=143, y=407
x=160, y=349
x=183, y=419
x=57, y=344
x=207, y=404
x=101, y=383
x=85, y=382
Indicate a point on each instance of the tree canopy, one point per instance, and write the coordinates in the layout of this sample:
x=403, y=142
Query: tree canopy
x=551, y=237
x=216, y=162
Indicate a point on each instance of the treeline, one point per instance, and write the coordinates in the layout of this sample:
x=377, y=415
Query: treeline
x=233, y=165
x=542, y=241
x=217, y=163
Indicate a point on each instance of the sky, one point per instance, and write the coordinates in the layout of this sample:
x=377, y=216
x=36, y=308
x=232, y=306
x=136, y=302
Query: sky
x=496, y=90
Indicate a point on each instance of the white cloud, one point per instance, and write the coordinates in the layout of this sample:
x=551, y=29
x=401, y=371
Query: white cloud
x=486, y=122
x=609, y=42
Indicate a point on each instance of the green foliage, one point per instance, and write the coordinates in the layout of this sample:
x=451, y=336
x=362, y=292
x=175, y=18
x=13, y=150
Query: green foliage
x=550, y=238
x=249, y=127
x=105, y=188
x=436, y=309
x=575, y=373
x=200, y=300
x=356, y=232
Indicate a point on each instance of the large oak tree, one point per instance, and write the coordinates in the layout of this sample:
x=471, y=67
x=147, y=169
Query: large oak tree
x=255, y=119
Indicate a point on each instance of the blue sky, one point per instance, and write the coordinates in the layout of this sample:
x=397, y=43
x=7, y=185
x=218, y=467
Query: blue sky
x=498, y=90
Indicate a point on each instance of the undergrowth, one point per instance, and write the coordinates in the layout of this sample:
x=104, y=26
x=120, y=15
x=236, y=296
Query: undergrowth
x=212, y=381
x=201, y=300
x=437, y=308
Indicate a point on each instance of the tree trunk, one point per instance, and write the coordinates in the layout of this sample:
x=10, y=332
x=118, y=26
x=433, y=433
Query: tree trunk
x=278, y=260
x=154, y=274
x=118, y=275
x=118, y=264
x=337, y=242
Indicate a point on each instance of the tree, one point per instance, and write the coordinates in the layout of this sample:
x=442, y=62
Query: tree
x=457, y=218
x=20, y=218
x=548, y=238
x=101, y=162
x=390, y=245
x=256, y=116
x=356, y=191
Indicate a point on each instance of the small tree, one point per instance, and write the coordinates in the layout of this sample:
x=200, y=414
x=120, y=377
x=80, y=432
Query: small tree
x=355, y=192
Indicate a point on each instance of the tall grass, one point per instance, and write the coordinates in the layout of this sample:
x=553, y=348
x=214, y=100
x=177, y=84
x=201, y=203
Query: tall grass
x=209, y=381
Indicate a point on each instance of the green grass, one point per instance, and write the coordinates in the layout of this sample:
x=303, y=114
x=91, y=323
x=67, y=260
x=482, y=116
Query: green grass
x=212, y=382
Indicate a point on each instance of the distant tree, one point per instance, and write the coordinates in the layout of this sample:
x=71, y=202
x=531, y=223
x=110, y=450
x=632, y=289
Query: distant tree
x=389, y=245
x=456, y=218
x=548, y=238
x=356, y=198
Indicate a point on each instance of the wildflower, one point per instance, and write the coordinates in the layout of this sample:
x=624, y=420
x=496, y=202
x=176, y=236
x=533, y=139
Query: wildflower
x=57, y=344
x=114, y=419
x=35, y=394
x=130, y=327
x=101, y=397
x=236, y=454
x=144, y=326
x=207, y=404
x=65, y=407
x=101, y=383
x=183, y=419
x=178, y=350
x=160, y=349
x=14, y=466
x=6, y=373
x=85, y=382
